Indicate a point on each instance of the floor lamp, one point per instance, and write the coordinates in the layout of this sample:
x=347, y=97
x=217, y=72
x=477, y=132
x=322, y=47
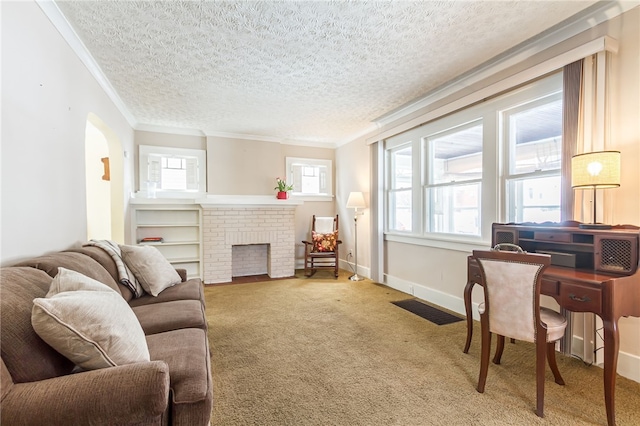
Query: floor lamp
x=356, y=201
x=595, y=170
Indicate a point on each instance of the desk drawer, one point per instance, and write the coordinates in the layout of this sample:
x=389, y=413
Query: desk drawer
x=578, y=298
x=550, y=287
x=559, y=237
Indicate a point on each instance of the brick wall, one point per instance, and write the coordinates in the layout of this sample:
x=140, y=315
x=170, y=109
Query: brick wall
x=225, y=227
x=250, y=259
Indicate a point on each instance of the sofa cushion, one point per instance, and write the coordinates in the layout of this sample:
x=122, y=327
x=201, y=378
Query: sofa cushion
x=151, y=268
x=189, y=372
x=27, y=357
x=93, y=327
x=187, y=290
x=75, y=262
x=173, y=315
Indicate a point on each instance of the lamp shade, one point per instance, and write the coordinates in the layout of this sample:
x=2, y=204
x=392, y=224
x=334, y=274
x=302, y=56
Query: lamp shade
x=599, y=169
x=356, y=201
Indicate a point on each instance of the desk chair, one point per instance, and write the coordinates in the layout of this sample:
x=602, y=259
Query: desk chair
x=511, y=308
x=322, y=250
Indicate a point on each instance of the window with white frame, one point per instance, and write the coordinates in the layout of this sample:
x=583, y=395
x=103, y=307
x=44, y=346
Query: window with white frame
x=310, y=176
x=400, y=188
x=533, y=143
x=453, y=169
x=171, y=170
x=496, y=161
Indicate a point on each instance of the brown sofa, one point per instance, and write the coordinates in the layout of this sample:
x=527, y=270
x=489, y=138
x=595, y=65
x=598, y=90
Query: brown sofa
x=38, y=385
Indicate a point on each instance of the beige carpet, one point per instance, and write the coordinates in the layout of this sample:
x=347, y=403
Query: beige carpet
x=323, y=352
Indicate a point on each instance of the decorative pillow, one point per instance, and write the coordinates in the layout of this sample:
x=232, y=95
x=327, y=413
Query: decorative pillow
x=68, y=280
x=324, y=242
x=150, y=267
x=93, y=327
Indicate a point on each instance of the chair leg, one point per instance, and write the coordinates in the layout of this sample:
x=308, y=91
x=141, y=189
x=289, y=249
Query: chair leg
x=551, y=358
x=485, y=352
x=499, y=349
x=541, y=354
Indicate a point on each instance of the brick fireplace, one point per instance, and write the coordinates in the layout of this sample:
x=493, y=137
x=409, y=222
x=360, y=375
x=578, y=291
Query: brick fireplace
x=248, y=224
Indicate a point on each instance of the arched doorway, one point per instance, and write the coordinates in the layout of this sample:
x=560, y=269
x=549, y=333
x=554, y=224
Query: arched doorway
x=104, y=182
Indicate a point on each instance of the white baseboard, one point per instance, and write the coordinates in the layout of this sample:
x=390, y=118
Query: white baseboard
x=628, y=364
x=447, y=301
x=343, y=264
x=349, y=266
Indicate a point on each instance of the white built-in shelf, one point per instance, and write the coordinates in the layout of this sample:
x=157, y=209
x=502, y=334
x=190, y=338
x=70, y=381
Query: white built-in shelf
x=179, y=225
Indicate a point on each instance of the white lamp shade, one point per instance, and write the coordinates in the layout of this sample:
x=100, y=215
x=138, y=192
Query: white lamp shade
x=596, y=170
x=356, y=201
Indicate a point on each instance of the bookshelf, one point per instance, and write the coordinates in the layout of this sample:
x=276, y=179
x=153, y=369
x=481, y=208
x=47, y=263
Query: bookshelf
x=179, y=226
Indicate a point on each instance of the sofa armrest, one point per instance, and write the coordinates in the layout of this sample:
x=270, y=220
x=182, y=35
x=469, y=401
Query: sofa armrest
x=134, y=393
x=183, y=274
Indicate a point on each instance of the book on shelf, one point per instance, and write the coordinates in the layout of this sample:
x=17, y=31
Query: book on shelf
x=151, y=240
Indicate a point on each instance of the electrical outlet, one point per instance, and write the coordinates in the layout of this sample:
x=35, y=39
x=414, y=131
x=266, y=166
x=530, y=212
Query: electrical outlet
x=350, y=252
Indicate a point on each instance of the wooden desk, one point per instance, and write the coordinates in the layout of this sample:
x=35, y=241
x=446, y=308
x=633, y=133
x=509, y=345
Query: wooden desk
x=604, y=280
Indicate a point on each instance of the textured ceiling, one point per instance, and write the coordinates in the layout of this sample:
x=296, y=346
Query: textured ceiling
x=304, y=71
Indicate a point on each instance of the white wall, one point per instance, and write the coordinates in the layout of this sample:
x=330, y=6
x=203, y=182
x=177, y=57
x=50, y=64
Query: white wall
x=353, y=174
x=47, y=95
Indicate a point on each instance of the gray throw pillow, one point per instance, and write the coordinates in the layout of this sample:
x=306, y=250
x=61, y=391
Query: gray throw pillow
x=151, y=268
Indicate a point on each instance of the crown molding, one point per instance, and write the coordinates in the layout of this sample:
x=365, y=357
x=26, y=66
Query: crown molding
x=169, y=130
x=51, y=10
x=580, y=22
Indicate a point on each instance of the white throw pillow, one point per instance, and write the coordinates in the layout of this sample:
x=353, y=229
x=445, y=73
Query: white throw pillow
x=68, y=280
x=89, y=323
x=151, y=268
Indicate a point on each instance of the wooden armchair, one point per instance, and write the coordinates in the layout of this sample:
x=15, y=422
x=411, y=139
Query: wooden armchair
x=322, y=251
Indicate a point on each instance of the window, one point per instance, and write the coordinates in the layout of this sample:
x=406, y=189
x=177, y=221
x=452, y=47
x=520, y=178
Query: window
x=310, y=177
x=453, y=180
x=495, y=161
x=400, y=192
x=534, y=155
x=172, y=170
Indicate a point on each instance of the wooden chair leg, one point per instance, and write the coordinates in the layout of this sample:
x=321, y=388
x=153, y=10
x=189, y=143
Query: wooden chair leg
x=541, y=354
x=551, y=358
x=499, y=349
x=485, y=352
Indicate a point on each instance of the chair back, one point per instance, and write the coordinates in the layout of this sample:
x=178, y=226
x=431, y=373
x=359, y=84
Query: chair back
x=512, y=291
x=324, y=225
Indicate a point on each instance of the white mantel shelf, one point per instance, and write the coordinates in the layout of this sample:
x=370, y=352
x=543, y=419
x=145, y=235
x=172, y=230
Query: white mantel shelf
x=212, y=201
x=246, y=201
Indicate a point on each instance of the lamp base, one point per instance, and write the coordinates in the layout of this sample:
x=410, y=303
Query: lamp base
x=594, y=226
x=356, y=277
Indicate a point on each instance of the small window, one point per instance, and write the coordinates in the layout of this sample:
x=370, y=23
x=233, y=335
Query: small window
x=171, y=170
x=310, y=176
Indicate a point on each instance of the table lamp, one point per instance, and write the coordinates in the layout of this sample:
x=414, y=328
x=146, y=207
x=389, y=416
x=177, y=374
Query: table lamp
x=356, y=201
x=595, y=170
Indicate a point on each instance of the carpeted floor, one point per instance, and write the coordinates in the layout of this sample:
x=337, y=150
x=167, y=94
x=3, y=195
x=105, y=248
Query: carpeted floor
x=320, y=351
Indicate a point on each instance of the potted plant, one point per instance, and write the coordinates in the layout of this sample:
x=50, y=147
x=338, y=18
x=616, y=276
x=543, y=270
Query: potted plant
x=283, y=189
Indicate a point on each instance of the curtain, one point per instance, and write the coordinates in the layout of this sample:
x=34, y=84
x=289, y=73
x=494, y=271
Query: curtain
x=571, y=134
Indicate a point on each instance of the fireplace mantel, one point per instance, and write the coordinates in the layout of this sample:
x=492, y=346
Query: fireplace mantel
x=245, y=201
